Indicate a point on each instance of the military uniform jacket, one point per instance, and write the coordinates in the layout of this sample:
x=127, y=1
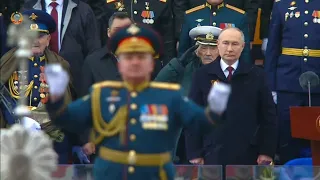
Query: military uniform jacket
x=157, y=14
x=250, y=125
x=174, y=72
x=294, y=24
x=223, y=16
x=153, y=115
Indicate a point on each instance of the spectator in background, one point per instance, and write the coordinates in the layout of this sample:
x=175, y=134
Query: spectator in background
x=248, y=135
x=249, y=6
x=266, y=8
x=156, y=14
x=76, y=36
x=215, y=13
x=101, y=65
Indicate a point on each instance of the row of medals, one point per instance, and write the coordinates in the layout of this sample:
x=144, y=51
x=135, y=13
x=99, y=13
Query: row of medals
x=297, y=15
x=24, y=87
x=120, y=7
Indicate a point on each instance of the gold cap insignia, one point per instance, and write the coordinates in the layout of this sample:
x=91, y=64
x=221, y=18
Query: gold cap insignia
x=133, y=29
x=209, y=36
x=33, y=17
x=34, y=26
x=16, y=18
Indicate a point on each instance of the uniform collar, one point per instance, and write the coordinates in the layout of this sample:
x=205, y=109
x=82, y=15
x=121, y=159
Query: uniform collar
x=41, y=58
x=219, y=6
x=138, y=88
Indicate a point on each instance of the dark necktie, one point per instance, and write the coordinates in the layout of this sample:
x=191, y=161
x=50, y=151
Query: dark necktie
x=230, y=69
x=54, y=36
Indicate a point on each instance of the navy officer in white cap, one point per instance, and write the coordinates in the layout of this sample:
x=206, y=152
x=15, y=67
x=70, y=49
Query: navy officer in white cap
x=180, y=70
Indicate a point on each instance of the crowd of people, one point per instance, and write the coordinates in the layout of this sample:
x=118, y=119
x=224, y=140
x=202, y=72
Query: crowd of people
x=180, y=73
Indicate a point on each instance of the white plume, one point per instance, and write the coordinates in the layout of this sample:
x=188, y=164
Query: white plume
x=26, y=155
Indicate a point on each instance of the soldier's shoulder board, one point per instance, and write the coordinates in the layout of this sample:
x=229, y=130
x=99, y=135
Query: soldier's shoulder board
x=113, y=84
x=235, y=9
x=161, y=85
x=110, y=1
x=195, y=9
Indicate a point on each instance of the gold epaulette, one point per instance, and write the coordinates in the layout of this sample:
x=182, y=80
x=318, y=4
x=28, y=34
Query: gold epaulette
x=235, y=9
x=160, y=85
x=113, y=84
x=109, y=1
x=195, y=9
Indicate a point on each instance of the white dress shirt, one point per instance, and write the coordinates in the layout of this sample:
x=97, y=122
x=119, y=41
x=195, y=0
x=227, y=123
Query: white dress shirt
x=59, y=10
x=224, y=67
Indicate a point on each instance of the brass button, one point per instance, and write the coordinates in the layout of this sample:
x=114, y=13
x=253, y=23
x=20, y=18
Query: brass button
x=305, y=23
x=133, y=94
x=135, y=12
x=0, y=14
x=131, y=169
x=305, y=36
x=307, y=1
x=214, y=13
x=35, y=64
x=133, y=106
x=35, y=99
x=36, y=87
x=133, y=121
x=132, y=137
x=214, y=24
x=35, y=76
x=306, y=12
x=305, y=59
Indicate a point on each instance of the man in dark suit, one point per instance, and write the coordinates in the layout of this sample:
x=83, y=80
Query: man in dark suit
x=249, y=132
x=101, y=65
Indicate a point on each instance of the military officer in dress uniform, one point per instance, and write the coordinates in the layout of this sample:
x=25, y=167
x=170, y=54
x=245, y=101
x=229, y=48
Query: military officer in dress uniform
x=293, y=49
x=158, y=15
x=37, y=87
x=136, y=122
x=216, y=14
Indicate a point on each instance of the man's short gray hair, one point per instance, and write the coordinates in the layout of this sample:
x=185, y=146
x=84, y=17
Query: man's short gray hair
x=235, y=28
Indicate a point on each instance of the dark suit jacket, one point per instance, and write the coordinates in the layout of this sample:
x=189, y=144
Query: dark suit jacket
x=99, y=66
x=249, y=124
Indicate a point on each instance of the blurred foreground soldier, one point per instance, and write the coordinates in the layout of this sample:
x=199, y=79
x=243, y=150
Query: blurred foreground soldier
x=286, y=59
x=180, y=70
x=26, y=155
x=37, y=90
x=127, y=117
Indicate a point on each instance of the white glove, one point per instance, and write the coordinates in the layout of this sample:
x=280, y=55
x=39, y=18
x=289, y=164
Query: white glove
x=218, y=97
x=30, y=124
x=274, y=96
x=57, y=79
x=264, y=45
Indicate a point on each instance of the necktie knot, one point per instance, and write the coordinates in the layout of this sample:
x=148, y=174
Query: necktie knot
x=230, y=69
x=54, y=4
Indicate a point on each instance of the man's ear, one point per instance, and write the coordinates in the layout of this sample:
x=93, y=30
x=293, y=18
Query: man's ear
x=109, y=34
x=49, y=39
